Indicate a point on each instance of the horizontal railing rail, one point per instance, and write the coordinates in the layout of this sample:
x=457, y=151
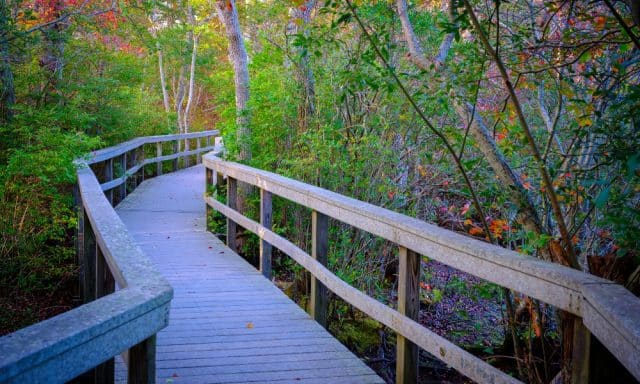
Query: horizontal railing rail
x=85, y=339
x=602, y=308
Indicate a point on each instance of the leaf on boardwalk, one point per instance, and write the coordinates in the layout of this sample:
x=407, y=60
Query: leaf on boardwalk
x=250, y=325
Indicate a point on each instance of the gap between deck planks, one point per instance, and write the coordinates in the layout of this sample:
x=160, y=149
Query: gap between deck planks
x=228, y=323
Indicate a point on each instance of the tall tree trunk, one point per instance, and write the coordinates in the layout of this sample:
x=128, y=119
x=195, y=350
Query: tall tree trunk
x=304, y=73
x=154, y=18
x=163, y=80
x=179, y=98
x=192, y=71
x=228, y=14
x=7, y=92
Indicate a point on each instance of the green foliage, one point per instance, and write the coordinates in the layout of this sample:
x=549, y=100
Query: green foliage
x=99, y=101
x=36, y=216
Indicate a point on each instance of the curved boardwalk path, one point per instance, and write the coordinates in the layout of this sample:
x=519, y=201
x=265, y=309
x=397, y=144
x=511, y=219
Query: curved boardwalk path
x=228, y=323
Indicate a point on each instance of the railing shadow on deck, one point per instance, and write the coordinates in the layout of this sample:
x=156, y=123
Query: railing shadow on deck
x=600, y=308
x=84, y=340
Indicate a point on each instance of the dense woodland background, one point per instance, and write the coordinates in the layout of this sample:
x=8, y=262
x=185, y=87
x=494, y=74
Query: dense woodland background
x=516, y=122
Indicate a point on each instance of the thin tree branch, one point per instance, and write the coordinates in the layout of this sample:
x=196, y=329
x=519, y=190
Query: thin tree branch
x=449, y=147
x=624, y=25
x=546, y=179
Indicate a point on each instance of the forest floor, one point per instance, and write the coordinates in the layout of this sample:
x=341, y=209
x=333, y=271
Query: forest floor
x=19, y=311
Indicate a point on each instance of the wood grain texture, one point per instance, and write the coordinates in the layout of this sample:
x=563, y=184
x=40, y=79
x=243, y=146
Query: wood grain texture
x=318, y=298
x=232, y=201
x=159, y=163
x=228, y=322
x=408, y=305
x=265, y=220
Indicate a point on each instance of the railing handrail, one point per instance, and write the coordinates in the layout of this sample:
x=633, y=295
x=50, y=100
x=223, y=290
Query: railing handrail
x=117, y=150
x=65, y=346
x=608, y=311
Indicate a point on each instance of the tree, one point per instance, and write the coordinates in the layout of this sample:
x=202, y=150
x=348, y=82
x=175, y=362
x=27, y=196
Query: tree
x=228, y=14
x=7, y=91
x=299, y=28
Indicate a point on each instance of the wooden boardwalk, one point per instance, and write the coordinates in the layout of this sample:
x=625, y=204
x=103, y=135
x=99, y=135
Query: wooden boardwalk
x=228, y=323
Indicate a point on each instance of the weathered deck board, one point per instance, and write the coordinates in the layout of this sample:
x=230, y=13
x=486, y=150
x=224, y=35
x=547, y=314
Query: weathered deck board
x=228, y=323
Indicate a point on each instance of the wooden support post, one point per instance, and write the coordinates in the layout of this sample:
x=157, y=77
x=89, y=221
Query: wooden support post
x=220, y=182
x=123, y=186
x=320, y=246
x=79, y=232
x=105, y=284
x=141, y=160
x=134, y=162
x=88, y=263
x=142, y=362
x=175, y=151
x=108, y=176
x=265, y=220
x=158, y=154
x=198, y=156
x=232, y=202
x=580, y=353
x=209, y=188
x=408, y=305
x=208, y=141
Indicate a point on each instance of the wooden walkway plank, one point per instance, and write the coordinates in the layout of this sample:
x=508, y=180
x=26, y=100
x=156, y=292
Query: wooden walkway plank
x=228, y=323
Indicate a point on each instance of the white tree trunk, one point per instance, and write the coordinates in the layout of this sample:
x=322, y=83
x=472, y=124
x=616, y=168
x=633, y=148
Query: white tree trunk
x=179, y=99
x=192, y=72
x=163, y=80
x=228, y=14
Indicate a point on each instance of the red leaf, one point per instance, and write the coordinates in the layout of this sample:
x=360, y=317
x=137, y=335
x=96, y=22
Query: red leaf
x=465, y=208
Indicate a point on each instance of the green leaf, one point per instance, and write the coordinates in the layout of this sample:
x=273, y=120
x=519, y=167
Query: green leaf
x=602, y=197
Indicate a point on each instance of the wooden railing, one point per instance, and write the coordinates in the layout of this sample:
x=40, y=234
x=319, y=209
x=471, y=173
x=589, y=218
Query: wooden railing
x=601, y=308
x=126, y=320
x=130, y=160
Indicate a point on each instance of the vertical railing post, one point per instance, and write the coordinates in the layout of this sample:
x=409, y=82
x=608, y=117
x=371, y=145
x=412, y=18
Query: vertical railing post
x=198, y=155
x=88, y=262
x=141, y=160
x=134, y=162
x=123, y=186
x=319, y=245
x=265, y=220
x=142, y=362
x=209, y=186
x=408, y=305
x=159, y=154
x=175, y=152
x=79, y=232
x=580, y=352
x=108, y=176
x=105, y=284
x=232, y=202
